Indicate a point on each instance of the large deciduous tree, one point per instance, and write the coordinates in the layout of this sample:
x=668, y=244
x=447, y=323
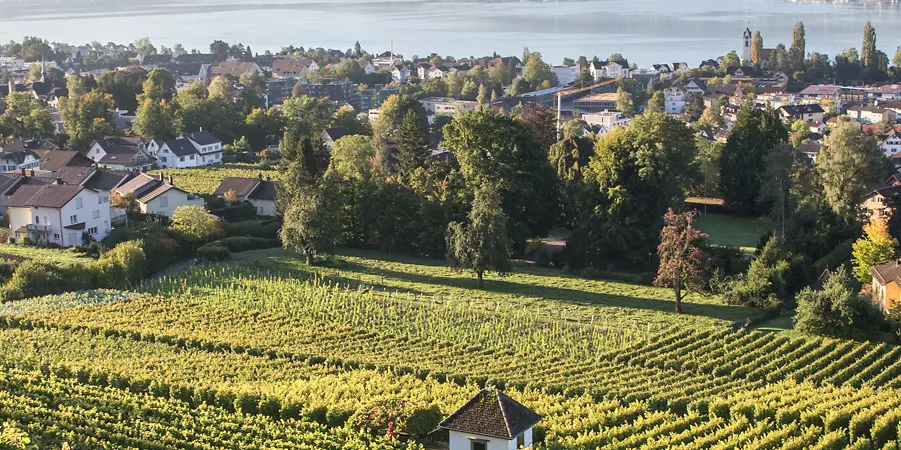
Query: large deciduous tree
x=194, y=224
x=481, y=244
x=310, y=219
x=25, y=117
x=837, y=310
x=503, y=152
x=849, y=165
x=681, y=253
x=639, y=171
x=756, y=48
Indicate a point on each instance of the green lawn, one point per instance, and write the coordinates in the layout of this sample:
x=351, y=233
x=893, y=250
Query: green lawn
x=730, y=230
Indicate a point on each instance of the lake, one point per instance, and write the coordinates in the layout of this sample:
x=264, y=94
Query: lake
x=645, y=31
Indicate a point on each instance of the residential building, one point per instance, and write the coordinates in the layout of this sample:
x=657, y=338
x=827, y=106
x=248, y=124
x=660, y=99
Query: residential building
x=890, y=144
x=887, y=92
x=566, y=74
x=21, y=159
x=605, y=120
x=665, y=71
x=367, y=66
x=490, y=421
x=609, y=69
x=233, y=69
x=57, y=213
x=291, y=67
x=870, y=114
x=675, y=98
x=820, y=92
x=646, y=78
x=338, y=92
x=447, y=106
x=155, y=195
x=121, y=153
x=331, y=135
x=695, y=86
x=259, y=192
x=886, y=285
x=791, y=113
x=190, y=150
x=875, y=205
x=100, y=180
x=679, y=68
x=57, y=159
x=373, y=115
x=400, y=73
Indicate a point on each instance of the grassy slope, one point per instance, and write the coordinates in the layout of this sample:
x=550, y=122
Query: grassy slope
x=545, y=292
x=205, y=180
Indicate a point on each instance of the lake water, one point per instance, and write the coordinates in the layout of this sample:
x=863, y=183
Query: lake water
x=645, y=31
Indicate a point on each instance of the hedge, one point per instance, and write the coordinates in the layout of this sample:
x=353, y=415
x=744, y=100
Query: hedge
x=245, y=243
x=211, y=252
x=243, y=210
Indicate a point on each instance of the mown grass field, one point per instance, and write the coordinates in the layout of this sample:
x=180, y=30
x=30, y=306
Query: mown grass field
x=264, y=352
x=736, y=231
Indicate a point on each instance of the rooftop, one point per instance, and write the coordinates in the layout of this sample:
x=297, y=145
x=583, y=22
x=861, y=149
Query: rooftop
x=492, y=413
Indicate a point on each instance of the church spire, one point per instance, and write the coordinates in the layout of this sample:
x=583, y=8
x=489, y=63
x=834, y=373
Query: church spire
x=43, y=68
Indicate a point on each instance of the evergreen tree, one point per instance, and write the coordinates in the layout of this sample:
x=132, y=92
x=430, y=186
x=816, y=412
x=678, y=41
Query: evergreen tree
x=481, y=244
x=412, y=147
x=484, y=96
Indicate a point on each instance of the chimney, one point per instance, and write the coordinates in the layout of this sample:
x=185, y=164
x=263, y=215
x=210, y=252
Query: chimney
x=170, y=178
x=23, y=172
x=59, y=180
x=201, y=128
x=161, y=175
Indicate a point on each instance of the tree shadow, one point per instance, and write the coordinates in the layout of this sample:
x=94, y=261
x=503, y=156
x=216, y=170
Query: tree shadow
x=562, y=294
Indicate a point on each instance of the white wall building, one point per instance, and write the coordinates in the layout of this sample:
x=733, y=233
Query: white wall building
x=155, y=195
x=121, y=153
x=58, y=213
x=490, y=421
x=675, y=97
x=891, y=144
x=22, y=159
x=259, y=192
x=400, y=73
x=605, y=120
x=190, y=150
x=566, y=74
x=447, y=106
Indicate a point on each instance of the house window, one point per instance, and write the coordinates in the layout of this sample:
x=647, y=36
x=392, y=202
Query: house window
x=73, y=219
x=181, y=158
x=479, y=445
x=96, y=213
x=192, y=157
x=37, y=219
x=203, y=159
x=78, y=203
x=92, y=230
x=521, y=440
x=55, y=236
x=260, y=210
x=164, y=202
x=163, y=159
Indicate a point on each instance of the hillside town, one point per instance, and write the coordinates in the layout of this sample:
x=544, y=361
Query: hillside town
x=311, y=248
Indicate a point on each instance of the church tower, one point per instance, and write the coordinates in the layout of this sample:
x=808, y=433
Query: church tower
x=746, y=46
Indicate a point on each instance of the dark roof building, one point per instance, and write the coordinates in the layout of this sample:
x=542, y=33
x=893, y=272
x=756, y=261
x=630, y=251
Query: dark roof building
x=54, y=195
x=248, y=188
x=57, y=159
x=492, y=413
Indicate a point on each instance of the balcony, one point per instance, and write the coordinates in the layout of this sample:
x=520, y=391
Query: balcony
x=38, y=228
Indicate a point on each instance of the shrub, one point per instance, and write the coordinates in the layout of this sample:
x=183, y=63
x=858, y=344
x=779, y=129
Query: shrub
x=542, y=258
x=837, y=310
x=211, y=252
x=244, y=243
x=766, y=283
x=160, y=252
x=122, y=267
x=263, y=229
x=36, y=278
x=423, y=420
x=243, y=210
x=7, y=269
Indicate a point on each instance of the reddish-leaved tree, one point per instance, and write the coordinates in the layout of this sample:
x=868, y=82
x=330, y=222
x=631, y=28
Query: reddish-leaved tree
x=681, y=253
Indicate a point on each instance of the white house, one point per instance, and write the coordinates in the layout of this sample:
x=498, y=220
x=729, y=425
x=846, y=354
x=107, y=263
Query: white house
x=891, y=143
x=609, y=69
x=259, y=192
x=291, y=67
x=605, y=120
x=696, y=86
x=792, y=113
x=887, y=92
x=367, y=66
x=870, y=114
x=490, y=421
x=190, y=150
x=675, y=97
x=57, y=213
x=665, y=71
x=102, y=181
x=400, y=73
x=566, y=74
x=155, y=195
x=331, y=135
x=22, y=159
x=447, y=106
x=121, y=153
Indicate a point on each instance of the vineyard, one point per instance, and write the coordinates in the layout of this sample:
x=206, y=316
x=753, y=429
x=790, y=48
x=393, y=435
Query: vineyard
x=370, y=353
x=205, y=180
